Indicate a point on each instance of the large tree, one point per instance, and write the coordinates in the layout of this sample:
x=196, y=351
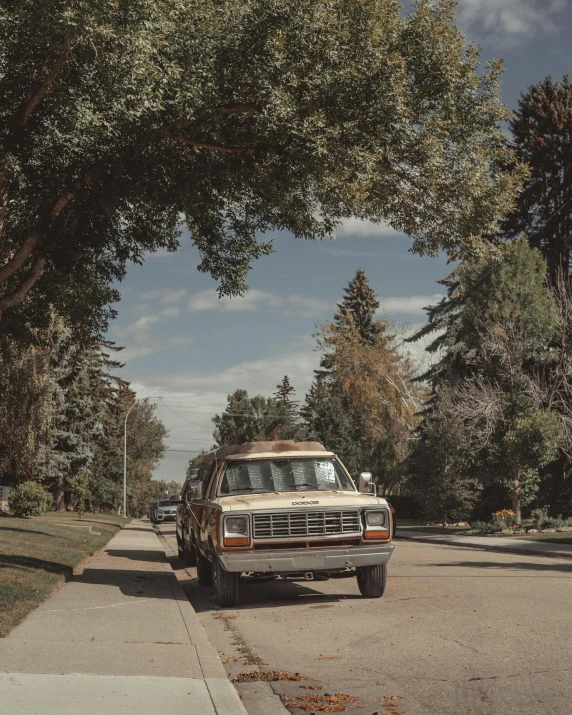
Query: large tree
x=119, y=120
x=496, y=372
x=542, y=137
x=26, y=403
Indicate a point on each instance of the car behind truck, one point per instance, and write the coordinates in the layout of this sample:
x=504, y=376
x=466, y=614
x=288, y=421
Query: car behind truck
x=284, y=509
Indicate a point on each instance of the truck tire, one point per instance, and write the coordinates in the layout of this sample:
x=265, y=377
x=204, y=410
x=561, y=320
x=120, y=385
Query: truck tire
x=204, y=570
x=371, y=580
x=189, y=554
x=225, y=585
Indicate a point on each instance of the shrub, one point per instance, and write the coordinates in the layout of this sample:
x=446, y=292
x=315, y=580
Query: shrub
x=29, y=499
x=480, y=527
x=539, y=517
x=504, y=517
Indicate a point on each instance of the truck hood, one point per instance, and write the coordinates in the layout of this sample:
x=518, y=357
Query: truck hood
x=293, y=500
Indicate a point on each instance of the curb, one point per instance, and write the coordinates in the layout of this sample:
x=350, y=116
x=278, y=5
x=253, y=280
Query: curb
x=223, y=694
x=482, y=547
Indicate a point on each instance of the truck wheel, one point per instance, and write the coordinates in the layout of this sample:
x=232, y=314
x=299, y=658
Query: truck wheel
x=204, y=570
x=225, y=585
x=371, y=580
x=189, y=554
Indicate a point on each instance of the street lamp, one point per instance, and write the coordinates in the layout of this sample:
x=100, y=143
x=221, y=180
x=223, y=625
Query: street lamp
x=125, y=455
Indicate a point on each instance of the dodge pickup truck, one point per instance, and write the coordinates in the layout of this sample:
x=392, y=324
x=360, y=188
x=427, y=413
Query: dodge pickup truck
x=286, y=509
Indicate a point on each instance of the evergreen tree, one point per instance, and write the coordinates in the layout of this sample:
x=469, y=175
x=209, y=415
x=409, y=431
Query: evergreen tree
x=284, y=393
x=361, y=303
x=25, y=409
x=439, y=467
x=542, y=138
x=496, y=349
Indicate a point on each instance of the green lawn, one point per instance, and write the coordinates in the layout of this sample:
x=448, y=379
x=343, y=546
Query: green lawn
x=564, y=537
x=38, y=555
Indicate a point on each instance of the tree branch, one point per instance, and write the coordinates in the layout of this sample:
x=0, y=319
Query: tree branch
x=36, y=94
x=25, y=286
x=20, y=257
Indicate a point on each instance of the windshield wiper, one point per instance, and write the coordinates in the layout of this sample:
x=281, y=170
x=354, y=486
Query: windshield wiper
x=256, y=490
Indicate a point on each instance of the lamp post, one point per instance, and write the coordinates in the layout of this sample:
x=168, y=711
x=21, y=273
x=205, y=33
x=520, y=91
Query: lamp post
x=125, y=461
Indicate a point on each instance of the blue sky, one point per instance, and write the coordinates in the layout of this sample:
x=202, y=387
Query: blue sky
x=185, y=344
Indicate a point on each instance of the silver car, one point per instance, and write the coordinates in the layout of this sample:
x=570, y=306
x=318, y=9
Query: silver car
x=166, y=510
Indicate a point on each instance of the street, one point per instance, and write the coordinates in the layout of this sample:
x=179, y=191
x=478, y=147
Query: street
x=458, y=631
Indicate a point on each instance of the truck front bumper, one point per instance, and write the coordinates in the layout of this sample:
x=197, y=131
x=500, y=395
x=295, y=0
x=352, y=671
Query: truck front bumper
x=310, y=560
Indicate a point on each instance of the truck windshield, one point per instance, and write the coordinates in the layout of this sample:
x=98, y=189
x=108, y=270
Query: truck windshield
x=283, y=475
x=166, y=503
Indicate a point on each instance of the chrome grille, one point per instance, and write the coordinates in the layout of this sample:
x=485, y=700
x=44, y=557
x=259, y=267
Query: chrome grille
x=284, y=524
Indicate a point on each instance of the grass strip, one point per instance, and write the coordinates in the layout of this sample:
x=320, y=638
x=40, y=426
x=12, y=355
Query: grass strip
x=39, y=554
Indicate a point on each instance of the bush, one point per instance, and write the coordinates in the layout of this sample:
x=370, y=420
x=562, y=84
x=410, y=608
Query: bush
x=481, y=527
x=504, y=517
x=30, y=499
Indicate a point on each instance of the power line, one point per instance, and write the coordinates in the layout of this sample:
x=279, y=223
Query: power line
x=187, y=451
x=184, y=418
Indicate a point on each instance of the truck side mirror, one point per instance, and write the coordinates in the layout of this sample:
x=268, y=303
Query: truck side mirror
x=366, y=485
x=196, y=490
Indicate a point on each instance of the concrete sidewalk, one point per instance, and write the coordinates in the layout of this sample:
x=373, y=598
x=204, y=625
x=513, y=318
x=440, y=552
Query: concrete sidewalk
x=120, y=637
x=507, y=544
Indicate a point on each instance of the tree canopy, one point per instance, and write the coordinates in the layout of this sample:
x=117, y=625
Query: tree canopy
x=542, y=137
x=121, y=122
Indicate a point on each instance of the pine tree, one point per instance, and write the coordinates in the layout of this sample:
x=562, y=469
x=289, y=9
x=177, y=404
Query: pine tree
x=542, y=138
x=284, y=394
x=360, y=301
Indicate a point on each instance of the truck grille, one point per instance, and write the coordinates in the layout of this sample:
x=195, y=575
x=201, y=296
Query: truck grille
x=306, y=523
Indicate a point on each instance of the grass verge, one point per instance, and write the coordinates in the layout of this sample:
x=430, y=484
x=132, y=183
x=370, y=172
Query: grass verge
x=415, y=525
x=38, y=555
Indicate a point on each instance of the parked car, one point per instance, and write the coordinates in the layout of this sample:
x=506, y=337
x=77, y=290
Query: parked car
x=286, y=509
x=166, y=510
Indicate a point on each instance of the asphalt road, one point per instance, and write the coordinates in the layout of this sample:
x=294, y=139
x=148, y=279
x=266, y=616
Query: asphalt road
x=458, y=632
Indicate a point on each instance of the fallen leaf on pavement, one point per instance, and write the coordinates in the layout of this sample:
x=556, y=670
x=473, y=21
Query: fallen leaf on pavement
x=335, y=703
x=250, y=676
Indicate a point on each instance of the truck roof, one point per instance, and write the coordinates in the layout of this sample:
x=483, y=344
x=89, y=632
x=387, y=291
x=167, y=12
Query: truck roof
x=286, y=448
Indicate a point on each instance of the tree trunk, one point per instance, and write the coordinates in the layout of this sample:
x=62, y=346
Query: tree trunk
x=60, y=504
x=516, y=496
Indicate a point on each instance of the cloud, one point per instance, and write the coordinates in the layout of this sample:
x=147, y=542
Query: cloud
x=366, y=229
x=138, y=338
x=514, y=19
x=407, y=305
x=192, y=398
x=164, y=297
x=256, y=301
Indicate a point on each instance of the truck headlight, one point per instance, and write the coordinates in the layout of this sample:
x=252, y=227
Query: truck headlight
x=236, y=531
x=235, y=525
x=375, y=518
x=376, y=526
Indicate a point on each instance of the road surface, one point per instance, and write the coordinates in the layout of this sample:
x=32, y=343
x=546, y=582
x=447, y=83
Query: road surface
x=458, y=632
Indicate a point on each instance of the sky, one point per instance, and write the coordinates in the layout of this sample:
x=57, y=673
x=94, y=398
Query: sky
x=187, y=350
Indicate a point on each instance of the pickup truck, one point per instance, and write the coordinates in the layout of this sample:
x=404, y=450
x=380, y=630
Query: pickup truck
x=287, y=509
